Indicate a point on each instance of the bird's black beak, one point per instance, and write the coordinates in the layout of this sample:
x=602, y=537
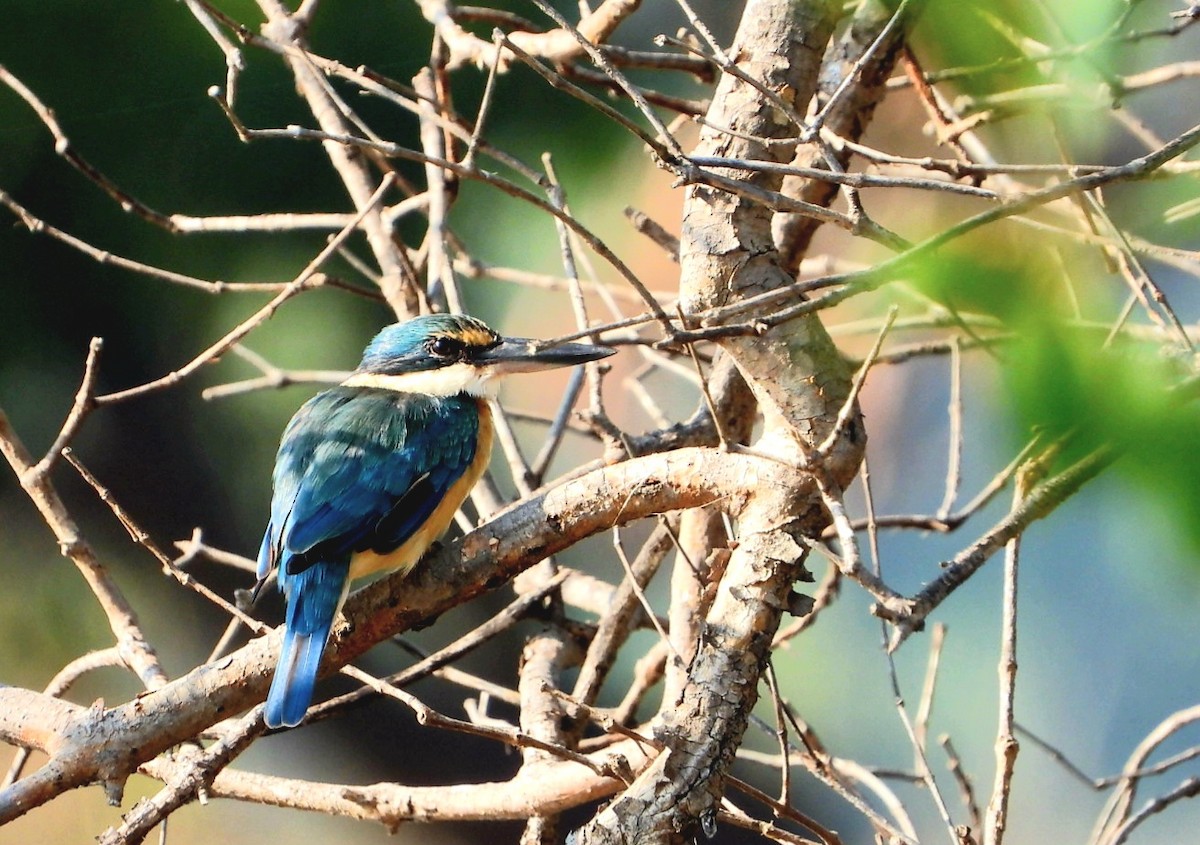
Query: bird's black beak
x=524, y=355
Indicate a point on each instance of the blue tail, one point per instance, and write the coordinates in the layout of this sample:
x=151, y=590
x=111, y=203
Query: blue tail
x=314, y=597
x=292, y=687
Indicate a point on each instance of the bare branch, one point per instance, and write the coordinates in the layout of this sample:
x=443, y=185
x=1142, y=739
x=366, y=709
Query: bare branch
x=135, y=650
x=307, y=279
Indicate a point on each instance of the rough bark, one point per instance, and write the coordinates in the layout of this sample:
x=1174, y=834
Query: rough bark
x=108, y=744
x=848, y=119
x=727, y=252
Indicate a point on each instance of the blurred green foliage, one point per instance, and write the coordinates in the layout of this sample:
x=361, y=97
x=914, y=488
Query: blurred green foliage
x=1125, y=396
x=1063, y=380
x=1002, y=35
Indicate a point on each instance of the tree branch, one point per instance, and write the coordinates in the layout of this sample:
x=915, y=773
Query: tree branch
x=111, y=743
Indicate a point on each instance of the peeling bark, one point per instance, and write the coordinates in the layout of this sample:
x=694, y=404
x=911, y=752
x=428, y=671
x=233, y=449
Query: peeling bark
x=849, y=119
x=727, y=252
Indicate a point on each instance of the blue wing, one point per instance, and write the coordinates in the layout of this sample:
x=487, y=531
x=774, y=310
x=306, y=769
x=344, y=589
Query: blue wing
x=357, y=469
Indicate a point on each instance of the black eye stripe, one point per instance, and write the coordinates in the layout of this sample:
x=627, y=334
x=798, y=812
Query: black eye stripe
x=445, y=347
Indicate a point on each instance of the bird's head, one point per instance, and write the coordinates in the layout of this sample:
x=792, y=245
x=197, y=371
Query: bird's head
x=448, y=354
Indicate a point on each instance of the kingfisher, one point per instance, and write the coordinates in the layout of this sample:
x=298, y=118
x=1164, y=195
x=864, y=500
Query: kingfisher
x=370, y=473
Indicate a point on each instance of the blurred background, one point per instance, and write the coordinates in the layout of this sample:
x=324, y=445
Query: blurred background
x=1109, y=584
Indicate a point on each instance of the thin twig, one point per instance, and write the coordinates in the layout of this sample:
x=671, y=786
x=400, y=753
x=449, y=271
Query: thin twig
x=965, y=789
x=136, y=651
x=849, y=408
x=1040, y=502
x=916, y=739
x=83, y=405
x=307, y=279
x=785, y=769
x=995, y=821
x=954, y=411
x=143, y=538
x=925, y=704
x=64, y=149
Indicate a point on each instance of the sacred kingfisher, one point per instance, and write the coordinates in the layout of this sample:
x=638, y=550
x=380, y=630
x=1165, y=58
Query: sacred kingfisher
x=370, y=473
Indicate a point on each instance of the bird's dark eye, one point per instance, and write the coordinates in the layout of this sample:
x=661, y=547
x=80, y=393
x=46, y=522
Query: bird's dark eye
x=445, y=347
